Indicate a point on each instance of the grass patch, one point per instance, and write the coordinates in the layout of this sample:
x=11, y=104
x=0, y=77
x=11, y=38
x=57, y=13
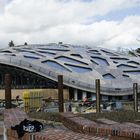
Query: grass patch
x=120, y=116
x=49, y=116
x=1, y=118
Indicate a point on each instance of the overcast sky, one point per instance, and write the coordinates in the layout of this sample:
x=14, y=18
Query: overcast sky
x=106, y=23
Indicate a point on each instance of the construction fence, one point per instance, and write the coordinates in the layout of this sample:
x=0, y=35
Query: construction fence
x=33, y=99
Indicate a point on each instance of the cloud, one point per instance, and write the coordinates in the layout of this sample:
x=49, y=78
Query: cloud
x=66, y=20
x=2, y=5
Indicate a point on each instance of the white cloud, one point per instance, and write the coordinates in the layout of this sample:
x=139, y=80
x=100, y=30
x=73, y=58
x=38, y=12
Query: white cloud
x=42, y=21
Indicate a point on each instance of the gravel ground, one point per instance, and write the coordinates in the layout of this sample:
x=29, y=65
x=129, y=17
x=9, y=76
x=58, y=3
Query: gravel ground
x=1, y=137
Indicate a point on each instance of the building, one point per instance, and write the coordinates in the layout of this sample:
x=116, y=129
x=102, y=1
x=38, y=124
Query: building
x=37, y=66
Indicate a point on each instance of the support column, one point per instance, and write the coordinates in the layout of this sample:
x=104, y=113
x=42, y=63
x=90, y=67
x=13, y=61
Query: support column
x=104, y=98
x=84, y=94
x=135, y=93
x=75, y=95
x=93, y=96
x=60, y=93
x=8, y=82
x=97, y=83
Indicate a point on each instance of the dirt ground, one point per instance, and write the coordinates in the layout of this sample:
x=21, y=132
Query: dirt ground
x=1, y=137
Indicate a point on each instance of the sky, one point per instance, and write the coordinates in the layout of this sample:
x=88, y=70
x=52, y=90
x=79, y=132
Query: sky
x=111, y=24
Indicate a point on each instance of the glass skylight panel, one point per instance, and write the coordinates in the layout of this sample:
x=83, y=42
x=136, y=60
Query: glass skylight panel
x=67, y=59
x=52, y=49
x=6, y=52
x=115, y=62
x=96, y=52
x=108, y=53
x=30, y=54
x=55, y=65
x=77, y=55
x=124, y=75
x=134, y=62
x=108, y=76
x=47, y=53
x=124, y=66
x=93, y=51
x=133, y=72
x=94, y=62
x=79, y=69
x=10, y=54
x=119, y=58
x=31, y=57
x=100, y=61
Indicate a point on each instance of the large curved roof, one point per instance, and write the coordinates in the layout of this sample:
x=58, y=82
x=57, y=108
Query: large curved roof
x=80, y=65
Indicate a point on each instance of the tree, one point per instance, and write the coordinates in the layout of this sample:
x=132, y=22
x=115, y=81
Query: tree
x=11, y=44
x=131, y=53
x=138, y=50
x=134, y=52
x=25, y=44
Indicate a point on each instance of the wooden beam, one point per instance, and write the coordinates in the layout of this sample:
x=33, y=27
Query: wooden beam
x=135, y=93
x=8, y=82
x=97, y=84
x=60, y=93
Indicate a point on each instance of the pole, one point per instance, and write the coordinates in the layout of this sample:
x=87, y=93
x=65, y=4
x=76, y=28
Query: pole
x=135, y=93
x=8, y=82
x=97, y=83
x=60, y=93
